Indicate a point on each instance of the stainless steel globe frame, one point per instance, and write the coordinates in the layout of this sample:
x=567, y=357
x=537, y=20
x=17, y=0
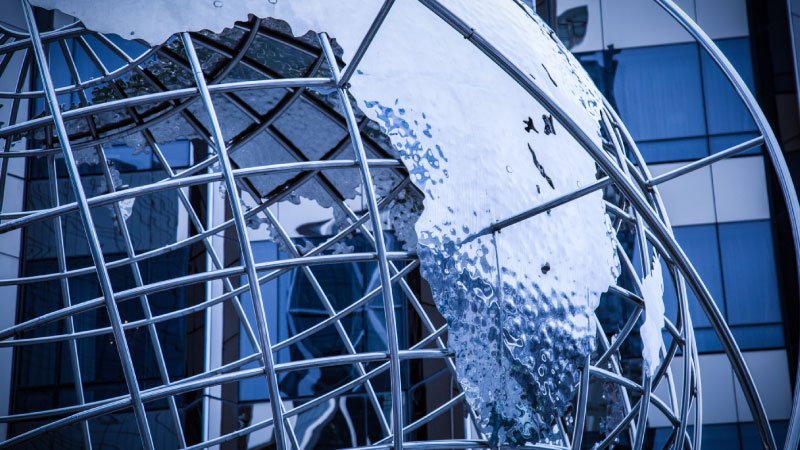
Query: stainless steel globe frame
x=637, y=207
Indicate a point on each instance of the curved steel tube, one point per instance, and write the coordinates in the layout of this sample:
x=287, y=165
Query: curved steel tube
x=380, y=246
x=91, y=233
x=775, y=156
x=83, y=111
x=182, y=387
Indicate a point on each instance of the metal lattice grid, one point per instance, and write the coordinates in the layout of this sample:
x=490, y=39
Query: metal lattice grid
x=313, y=88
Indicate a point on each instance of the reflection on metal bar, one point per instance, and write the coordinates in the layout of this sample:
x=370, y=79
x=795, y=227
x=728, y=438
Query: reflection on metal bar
x=580, y=411
x=377, y=227
x=643, y=409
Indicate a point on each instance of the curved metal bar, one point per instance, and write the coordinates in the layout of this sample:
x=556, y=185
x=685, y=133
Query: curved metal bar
x=106, y=77
x=645, y=402
x=351, y=67
x=175, y=183
x=120, y=340
x=580, y=411
x=235, y=86
x=196, y=278
x=45, y=37
x=778, y=163
x=129, y=250
x=610, y=437
x=182, y=387
x=687, y=343
x=246, y=251
x=66, y=298
x=638, y=201
x=377, y=227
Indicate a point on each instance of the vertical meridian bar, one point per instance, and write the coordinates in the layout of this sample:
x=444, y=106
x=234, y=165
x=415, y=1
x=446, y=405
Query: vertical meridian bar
x=129, y=250
x=623, y=136
x=789, y=196
x=144, y=300
x=244, y=245
x=209, y=314
x=380, y=244
x=67, y=300
x=91, y=234
x=583, y=399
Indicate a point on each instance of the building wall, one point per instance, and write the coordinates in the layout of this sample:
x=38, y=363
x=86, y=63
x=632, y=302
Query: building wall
x=679, y=108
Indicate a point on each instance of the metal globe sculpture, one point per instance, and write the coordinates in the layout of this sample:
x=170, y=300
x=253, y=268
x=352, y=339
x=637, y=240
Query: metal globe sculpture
x=460, y=139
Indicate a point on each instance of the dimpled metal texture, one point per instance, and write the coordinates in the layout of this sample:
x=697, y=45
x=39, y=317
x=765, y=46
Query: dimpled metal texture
x=464, y=130
x=519, y=303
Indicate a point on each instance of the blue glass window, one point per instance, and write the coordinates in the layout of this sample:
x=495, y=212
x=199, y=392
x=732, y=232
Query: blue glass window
x=699, y=242
x=736, y=262
x=758, y=337
x=750, y=437
x=669, y=150
x=658, y=91
x=720, y=437
x=725, y=111
x=748, y=266
x=727, y=436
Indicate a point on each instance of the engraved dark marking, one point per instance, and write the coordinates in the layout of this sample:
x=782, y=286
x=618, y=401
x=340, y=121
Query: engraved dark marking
x=548, y=124
x=550, y=76
x=541, y=168
x=529, y=125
